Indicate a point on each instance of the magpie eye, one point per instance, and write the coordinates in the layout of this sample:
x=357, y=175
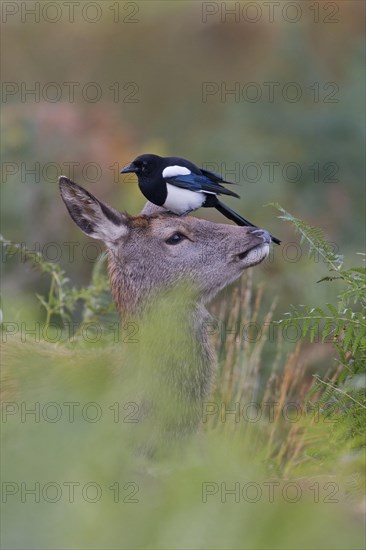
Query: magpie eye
x=176, y=238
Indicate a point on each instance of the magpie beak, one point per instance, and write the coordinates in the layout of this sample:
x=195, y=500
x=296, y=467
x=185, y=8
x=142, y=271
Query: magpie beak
x=129, y=168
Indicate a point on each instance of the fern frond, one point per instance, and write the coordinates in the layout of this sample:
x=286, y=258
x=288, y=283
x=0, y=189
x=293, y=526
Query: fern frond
x=62, y=297
x=315, y=239
x=347, y=326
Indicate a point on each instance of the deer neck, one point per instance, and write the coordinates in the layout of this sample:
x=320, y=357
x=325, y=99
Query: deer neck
x=172, y=326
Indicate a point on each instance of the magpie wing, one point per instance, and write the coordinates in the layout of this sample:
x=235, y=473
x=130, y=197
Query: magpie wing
x=215, y=177
x=199, y=184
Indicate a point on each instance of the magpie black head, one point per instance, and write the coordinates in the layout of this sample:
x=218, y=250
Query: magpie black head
x=144, y=165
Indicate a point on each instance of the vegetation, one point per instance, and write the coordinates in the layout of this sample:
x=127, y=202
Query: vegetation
x=344, y=324
x=85, y=91
x=316, y=445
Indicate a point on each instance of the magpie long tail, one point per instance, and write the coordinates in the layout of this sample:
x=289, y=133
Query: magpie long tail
x=234, y=217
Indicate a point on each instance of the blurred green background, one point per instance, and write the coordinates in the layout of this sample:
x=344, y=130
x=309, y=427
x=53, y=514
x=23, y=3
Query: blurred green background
x=112, y=80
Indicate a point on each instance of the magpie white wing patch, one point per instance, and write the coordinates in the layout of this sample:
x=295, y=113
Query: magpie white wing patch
x=171, y=171
x=182, y=200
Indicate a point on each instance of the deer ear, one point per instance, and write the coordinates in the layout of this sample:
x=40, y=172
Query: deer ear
x=92, y=216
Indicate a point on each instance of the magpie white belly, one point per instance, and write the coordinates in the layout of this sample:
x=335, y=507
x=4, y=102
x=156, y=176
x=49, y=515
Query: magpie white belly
x=182, y=200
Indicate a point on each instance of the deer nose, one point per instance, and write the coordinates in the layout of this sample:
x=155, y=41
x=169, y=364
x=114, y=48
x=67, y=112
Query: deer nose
x=262, y=234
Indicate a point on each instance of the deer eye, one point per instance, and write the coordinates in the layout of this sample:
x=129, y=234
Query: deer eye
x=176, y=238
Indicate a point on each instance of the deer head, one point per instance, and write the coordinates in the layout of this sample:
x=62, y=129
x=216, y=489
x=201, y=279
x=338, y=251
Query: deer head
x=158, y=250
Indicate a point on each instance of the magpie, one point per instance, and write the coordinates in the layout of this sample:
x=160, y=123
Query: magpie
x=180, y=186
